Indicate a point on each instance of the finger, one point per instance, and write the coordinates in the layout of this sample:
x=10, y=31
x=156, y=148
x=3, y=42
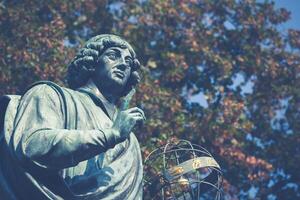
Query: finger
x=129, y=116
x=138, y=118
x=126, y=100
x=139, y=115
x=136, y=110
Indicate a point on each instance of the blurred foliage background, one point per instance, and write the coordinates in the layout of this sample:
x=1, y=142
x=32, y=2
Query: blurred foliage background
x=227, y=52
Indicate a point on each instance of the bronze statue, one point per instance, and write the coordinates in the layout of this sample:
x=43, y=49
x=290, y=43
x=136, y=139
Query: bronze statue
x=77, y=143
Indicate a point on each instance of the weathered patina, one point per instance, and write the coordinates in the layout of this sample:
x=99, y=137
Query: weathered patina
x=77, y=143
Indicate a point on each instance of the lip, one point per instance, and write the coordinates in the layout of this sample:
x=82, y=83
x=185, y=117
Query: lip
x=119, y=74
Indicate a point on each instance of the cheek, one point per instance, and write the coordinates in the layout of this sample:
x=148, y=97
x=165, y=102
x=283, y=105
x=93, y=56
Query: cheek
x=104, y=68
x=128, y=73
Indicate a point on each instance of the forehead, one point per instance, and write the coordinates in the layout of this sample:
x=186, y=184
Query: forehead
x=124, y=51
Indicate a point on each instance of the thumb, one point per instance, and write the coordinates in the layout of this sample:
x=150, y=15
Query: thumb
x=126, y=100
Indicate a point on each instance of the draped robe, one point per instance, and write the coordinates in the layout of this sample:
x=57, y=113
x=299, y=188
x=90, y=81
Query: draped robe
x=46, y=161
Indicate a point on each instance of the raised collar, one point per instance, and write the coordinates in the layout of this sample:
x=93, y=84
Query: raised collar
x=91, y=89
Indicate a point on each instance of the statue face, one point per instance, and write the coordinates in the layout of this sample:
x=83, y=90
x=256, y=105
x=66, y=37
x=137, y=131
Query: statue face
x=114, y=68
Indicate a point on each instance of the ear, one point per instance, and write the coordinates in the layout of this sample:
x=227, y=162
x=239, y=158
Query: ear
x=135, y=77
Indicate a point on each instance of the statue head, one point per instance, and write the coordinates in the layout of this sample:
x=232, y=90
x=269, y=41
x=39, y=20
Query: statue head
x=89, y=59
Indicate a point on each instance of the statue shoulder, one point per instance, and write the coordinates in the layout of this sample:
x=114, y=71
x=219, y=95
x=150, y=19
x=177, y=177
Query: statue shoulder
x=44, y=89
x=52, y=94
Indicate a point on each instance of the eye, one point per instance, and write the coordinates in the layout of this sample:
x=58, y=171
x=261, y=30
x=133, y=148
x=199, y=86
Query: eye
x=129, y=61
x=112, y=55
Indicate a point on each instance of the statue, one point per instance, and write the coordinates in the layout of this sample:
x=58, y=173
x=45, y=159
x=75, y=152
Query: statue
x=77, y=142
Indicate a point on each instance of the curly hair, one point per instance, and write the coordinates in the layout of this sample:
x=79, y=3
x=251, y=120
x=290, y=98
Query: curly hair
x=83, y=65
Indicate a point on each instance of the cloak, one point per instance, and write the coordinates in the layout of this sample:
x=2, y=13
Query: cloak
x=55, y=151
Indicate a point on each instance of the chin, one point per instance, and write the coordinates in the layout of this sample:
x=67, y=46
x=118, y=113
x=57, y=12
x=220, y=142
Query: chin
x=118, y=83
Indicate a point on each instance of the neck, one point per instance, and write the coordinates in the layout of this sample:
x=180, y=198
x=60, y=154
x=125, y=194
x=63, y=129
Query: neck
x=102, y=93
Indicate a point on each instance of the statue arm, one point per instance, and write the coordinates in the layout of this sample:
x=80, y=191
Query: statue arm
x=39, y=136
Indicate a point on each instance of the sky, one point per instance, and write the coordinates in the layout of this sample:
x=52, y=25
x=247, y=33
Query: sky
x=294, y=22
x=294, y=7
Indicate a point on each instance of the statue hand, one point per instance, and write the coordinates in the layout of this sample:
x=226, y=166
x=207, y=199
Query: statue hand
x=127, y=118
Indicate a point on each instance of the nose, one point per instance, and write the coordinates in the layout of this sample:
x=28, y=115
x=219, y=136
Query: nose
x=122, y=63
